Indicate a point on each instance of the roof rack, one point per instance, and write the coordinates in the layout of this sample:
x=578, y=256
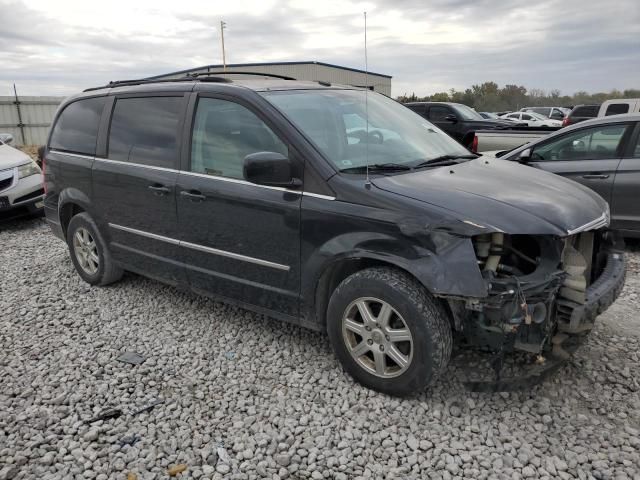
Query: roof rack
x=143, y=81
x=189, y=77
x=273, y=75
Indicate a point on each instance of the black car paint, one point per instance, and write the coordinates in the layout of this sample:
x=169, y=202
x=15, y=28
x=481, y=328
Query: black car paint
x=460, y=129
x=332, y=221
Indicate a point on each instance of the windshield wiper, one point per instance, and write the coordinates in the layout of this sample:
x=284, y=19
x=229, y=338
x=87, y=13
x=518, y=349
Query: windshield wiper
x=377, y=167
x=444, y=160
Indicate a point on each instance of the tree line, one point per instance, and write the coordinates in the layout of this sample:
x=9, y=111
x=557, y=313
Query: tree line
x=489, y=97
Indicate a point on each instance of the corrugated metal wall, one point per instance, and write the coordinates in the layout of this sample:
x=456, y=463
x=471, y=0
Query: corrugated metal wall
x=306, y=71
x=36, y=115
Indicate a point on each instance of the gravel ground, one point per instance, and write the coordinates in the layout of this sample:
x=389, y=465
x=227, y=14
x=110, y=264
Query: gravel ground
x=245, y=396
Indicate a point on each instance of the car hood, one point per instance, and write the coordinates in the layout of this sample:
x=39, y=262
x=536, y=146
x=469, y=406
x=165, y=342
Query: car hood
x=499, y=195
x=11, y=157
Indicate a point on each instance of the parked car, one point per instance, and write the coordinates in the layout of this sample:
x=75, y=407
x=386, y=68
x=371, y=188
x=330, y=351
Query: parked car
x=555, y=113
x=21, y=190
x=458, y=120
x=602, y=154
x=501, y=140
x=490, y=115
x=580, y=113
x=619, y=107
x=532, y=119
x=254, y=192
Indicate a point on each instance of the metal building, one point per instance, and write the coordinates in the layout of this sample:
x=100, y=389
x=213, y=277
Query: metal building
x=314, y=71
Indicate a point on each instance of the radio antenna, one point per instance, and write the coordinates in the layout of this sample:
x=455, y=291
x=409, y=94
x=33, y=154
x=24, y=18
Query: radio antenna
x=366, y=100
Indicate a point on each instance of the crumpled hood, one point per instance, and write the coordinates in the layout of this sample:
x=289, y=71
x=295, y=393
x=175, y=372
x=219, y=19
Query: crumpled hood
x=502, y=196
x=11, y=157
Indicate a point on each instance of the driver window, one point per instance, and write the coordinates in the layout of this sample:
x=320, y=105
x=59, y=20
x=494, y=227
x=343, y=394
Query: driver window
x=224, y=133
x=526, y=117
x=588, y=144
x=439, y=114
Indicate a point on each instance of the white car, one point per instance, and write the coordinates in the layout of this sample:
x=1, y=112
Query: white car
x=532, y=119
x=21, y=191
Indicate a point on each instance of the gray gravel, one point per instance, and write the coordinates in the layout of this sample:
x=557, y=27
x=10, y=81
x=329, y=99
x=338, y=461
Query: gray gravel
x=245, y=396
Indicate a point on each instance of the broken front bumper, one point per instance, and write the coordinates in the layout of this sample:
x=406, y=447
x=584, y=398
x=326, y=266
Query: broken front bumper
x=573, y=326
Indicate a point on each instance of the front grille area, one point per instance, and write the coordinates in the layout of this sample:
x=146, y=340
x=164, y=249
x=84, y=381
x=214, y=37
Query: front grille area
x=29, y=196
x=6, y=183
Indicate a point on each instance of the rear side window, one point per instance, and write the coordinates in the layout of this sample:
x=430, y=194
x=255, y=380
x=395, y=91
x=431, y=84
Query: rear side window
x=585, y=111
x=617, y=109
x=145, y=130
x=76, y=129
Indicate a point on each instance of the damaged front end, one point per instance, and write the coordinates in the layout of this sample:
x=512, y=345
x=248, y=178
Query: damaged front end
x=544, y=293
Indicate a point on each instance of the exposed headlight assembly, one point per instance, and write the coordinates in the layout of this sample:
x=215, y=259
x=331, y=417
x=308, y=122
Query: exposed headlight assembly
x=28, y=169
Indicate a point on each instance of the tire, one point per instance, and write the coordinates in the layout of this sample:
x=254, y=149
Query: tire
x=424, y=356
x=102, y=272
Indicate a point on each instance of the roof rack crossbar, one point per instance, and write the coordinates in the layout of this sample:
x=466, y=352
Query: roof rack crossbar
x=273, y=75
x=143, y=81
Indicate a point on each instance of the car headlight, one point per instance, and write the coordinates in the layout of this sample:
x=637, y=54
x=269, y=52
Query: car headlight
x=28, y=169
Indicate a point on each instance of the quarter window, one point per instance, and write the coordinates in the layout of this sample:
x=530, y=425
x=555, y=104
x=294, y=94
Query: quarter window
x=224, y=133
x=617, y=109
x=587, y=144
x=77, y=127
x=145, y=130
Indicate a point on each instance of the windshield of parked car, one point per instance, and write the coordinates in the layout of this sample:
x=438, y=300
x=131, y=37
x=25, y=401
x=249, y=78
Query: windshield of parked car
x=335, y=121
x=467, y=113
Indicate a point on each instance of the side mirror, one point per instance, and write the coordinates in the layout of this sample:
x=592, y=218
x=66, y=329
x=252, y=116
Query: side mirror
x=525, y=155
x=6, y=137
x=269, y=168
x=451, y=118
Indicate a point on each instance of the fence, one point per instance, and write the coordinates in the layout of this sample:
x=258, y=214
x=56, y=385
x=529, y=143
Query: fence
x=27, y=118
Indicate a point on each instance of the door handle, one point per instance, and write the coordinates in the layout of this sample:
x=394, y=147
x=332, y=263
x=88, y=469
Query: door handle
x=596, y=176
x=193, y=195
x=159, y=189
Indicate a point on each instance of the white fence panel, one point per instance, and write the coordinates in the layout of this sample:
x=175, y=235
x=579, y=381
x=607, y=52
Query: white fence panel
x=29, y=119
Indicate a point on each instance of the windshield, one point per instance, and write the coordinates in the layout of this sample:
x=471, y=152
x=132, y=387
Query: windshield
x=467, y=113
x=335, y=121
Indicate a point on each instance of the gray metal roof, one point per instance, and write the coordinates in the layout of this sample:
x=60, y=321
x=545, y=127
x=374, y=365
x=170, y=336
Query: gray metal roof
x=265, y=64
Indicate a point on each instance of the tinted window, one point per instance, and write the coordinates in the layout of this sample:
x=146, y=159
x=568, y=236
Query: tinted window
x=526, y=117
x=145, y=130
x=588, y=144
x=224, y=133
x=419, y=109
x=617, y=109
x=439, y=114
x=77, y=127
x=585, y=111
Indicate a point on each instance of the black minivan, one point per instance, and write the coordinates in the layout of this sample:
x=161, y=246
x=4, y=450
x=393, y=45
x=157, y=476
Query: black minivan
x=331, y=207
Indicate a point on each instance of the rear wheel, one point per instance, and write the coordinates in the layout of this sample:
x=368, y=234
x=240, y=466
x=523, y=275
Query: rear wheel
x=89, y=252
x=388, y=332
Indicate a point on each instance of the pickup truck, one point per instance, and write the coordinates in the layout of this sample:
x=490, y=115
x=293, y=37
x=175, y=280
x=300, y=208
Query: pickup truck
x=490, y=140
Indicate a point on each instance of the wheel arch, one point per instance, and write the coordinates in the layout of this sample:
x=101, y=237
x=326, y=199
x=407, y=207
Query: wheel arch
x=71, y=202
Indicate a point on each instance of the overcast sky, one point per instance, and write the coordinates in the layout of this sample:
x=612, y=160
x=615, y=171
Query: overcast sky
x=54, y=47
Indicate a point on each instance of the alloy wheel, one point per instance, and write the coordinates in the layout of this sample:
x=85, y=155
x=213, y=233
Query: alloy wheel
x=377, y=337
x=86, y=251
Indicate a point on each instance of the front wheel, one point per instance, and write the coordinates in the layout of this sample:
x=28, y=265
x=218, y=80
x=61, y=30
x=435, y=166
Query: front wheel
x=388, y=332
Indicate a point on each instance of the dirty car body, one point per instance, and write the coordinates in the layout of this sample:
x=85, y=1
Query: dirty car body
x=374, y=197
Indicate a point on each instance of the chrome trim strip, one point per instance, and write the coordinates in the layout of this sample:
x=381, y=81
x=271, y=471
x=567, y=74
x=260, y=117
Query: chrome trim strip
x=155, y=236
x=202, y=248
x=69, y=154
x=318, y=195
x=139, y=165
x=237, y=180
x=236, y=256
x=601, y=221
